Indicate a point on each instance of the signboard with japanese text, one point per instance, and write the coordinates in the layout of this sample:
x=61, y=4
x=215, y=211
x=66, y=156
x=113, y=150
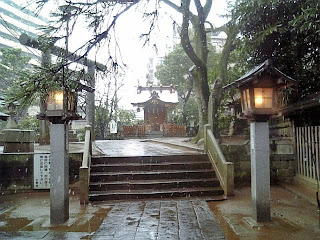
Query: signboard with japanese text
x=41, y=171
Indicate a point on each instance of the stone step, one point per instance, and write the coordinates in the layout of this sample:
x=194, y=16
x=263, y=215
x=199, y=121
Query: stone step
x=150, y=159
x=154, y=184
x=155, y=194
x=116, y=167
x=153, y=177
x=147, y=175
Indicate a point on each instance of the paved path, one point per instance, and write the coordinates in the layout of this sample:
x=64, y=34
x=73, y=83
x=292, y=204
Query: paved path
x=141, y=147
x=176, y=220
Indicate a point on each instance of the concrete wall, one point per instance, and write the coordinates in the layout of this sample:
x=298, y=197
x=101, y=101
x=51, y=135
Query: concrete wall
x=282, y=155
x=16, y=171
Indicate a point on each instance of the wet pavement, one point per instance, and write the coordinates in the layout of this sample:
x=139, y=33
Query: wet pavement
x=160, y=220
x=74, y=147
x=26, y=216
x=146, y=147
x=292, y=217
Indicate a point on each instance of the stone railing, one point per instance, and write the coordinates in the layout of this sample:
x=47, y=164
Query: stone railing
x=84, y=170
x=224, y=170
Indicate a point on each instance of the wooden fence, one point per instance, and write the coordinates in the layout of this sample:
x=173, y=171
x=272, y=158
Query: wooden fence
x=173, y=130
x=134, y=131
x=168, y=130
x=308, y=152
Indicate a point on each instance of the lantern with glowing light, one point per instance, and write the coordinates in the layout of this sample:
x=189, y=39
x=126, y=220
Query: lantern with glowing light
x=61, y=107
x=259, y=94
x=259, y=91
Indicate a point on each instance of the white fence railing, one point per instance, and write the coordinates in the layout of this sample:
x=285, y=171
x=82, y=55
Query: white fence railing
x=308, y=152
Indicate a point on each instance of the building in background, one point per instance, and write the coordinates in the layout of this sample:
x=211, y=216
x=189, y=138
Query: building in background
x=16, y=17
x=155, y=102
x=218, y=40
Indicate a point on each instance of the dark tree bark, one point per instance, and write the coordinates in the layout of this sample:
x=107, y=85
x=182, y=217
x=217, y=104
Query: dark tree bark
x=198, y=53
x=231, y=30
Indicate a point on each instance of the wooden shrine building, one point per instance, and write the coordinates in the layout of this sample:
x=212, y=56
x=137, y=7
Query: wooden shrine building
x=155, y=101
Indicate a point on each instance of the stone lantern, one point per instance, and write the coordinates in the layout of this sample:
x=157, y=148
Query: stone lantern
x=60, y=109
x=259, y=93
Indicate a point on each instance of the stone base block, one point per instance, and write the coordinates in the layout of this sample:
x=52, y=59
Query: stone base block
x=16, y=140
x=18, y=147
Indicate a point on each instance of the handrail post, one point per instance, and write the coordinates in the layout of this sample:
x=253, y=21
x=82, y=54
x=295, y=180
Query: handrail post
x=84, y=171
x=224, y=169
x=205, y=136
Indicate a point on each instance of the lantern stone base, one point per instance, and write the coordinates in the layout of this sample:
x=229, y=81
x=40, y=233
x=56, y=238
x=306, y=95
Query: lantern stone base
x=59, y=174
x=16, y=140
x=260, y=171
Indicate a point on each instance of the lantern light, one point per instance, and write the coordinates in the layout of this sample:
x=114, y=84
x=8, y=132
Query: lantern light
x=60, y=107
x=55, y=101
x=259, y=89
x=263, y=97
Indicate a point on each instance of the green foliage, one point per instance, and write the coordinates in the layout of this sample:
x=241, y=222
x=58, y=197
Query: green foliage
x=104, y=114
x=126, y=117
x=12, y=65
x=174, y=70
x=30, y=123
x=101, y=121
x=192, y=111
x=287, y=31
x=38, y=82
x=81, y=134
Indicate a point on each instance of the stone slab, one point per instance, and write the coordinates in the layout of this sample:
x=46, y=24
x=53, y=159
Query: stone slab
x=160, y=220
x=18, y=136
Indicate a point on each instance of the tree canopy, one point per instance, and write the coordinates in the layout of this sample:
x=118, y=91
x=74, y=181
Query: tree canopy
x=287, y=31
x=12, y=64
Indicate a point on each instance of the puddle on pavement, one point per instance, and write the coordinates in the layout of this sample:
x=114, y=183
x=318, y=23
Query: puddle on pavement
x=8, y=224
x=78, y=222
x=235, y=227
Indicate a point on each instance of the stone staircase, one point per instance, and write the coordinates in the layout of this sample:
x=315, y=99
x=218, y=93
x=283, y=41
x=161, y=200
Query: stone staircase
x=153, y=177
x=154, y=134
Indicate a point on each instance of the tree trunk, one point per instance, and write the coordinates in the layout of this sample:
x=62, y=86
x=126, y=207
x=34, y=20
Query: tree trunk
x=222, y=79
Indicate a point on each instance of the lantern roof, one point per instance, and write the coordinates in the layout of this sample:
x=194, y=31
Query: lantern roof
x=282, y=79
x=165, y=94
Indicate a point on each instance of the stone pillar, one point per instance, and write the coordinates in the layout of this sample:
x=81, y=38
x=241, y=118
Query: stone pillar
x=59, y=174
x=260, y=171
x=90, y=103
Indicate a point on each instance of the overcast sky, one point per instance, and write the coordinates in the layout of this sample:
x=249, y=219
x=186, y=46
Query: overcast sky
x=136, y=57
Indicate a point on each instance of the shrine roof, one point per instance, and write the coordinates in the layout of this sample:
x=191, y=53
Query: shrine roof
x=166, y=94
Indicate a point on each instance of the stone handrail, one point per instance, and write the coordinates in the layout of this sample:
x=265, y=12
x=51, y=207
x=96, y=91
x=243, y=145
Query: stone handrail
x=223, y=169
x=84, y=170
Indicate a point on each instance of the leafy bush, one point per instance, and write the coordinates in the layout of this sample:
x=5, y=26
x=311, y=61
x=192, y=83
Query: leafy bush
x=30, y=123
